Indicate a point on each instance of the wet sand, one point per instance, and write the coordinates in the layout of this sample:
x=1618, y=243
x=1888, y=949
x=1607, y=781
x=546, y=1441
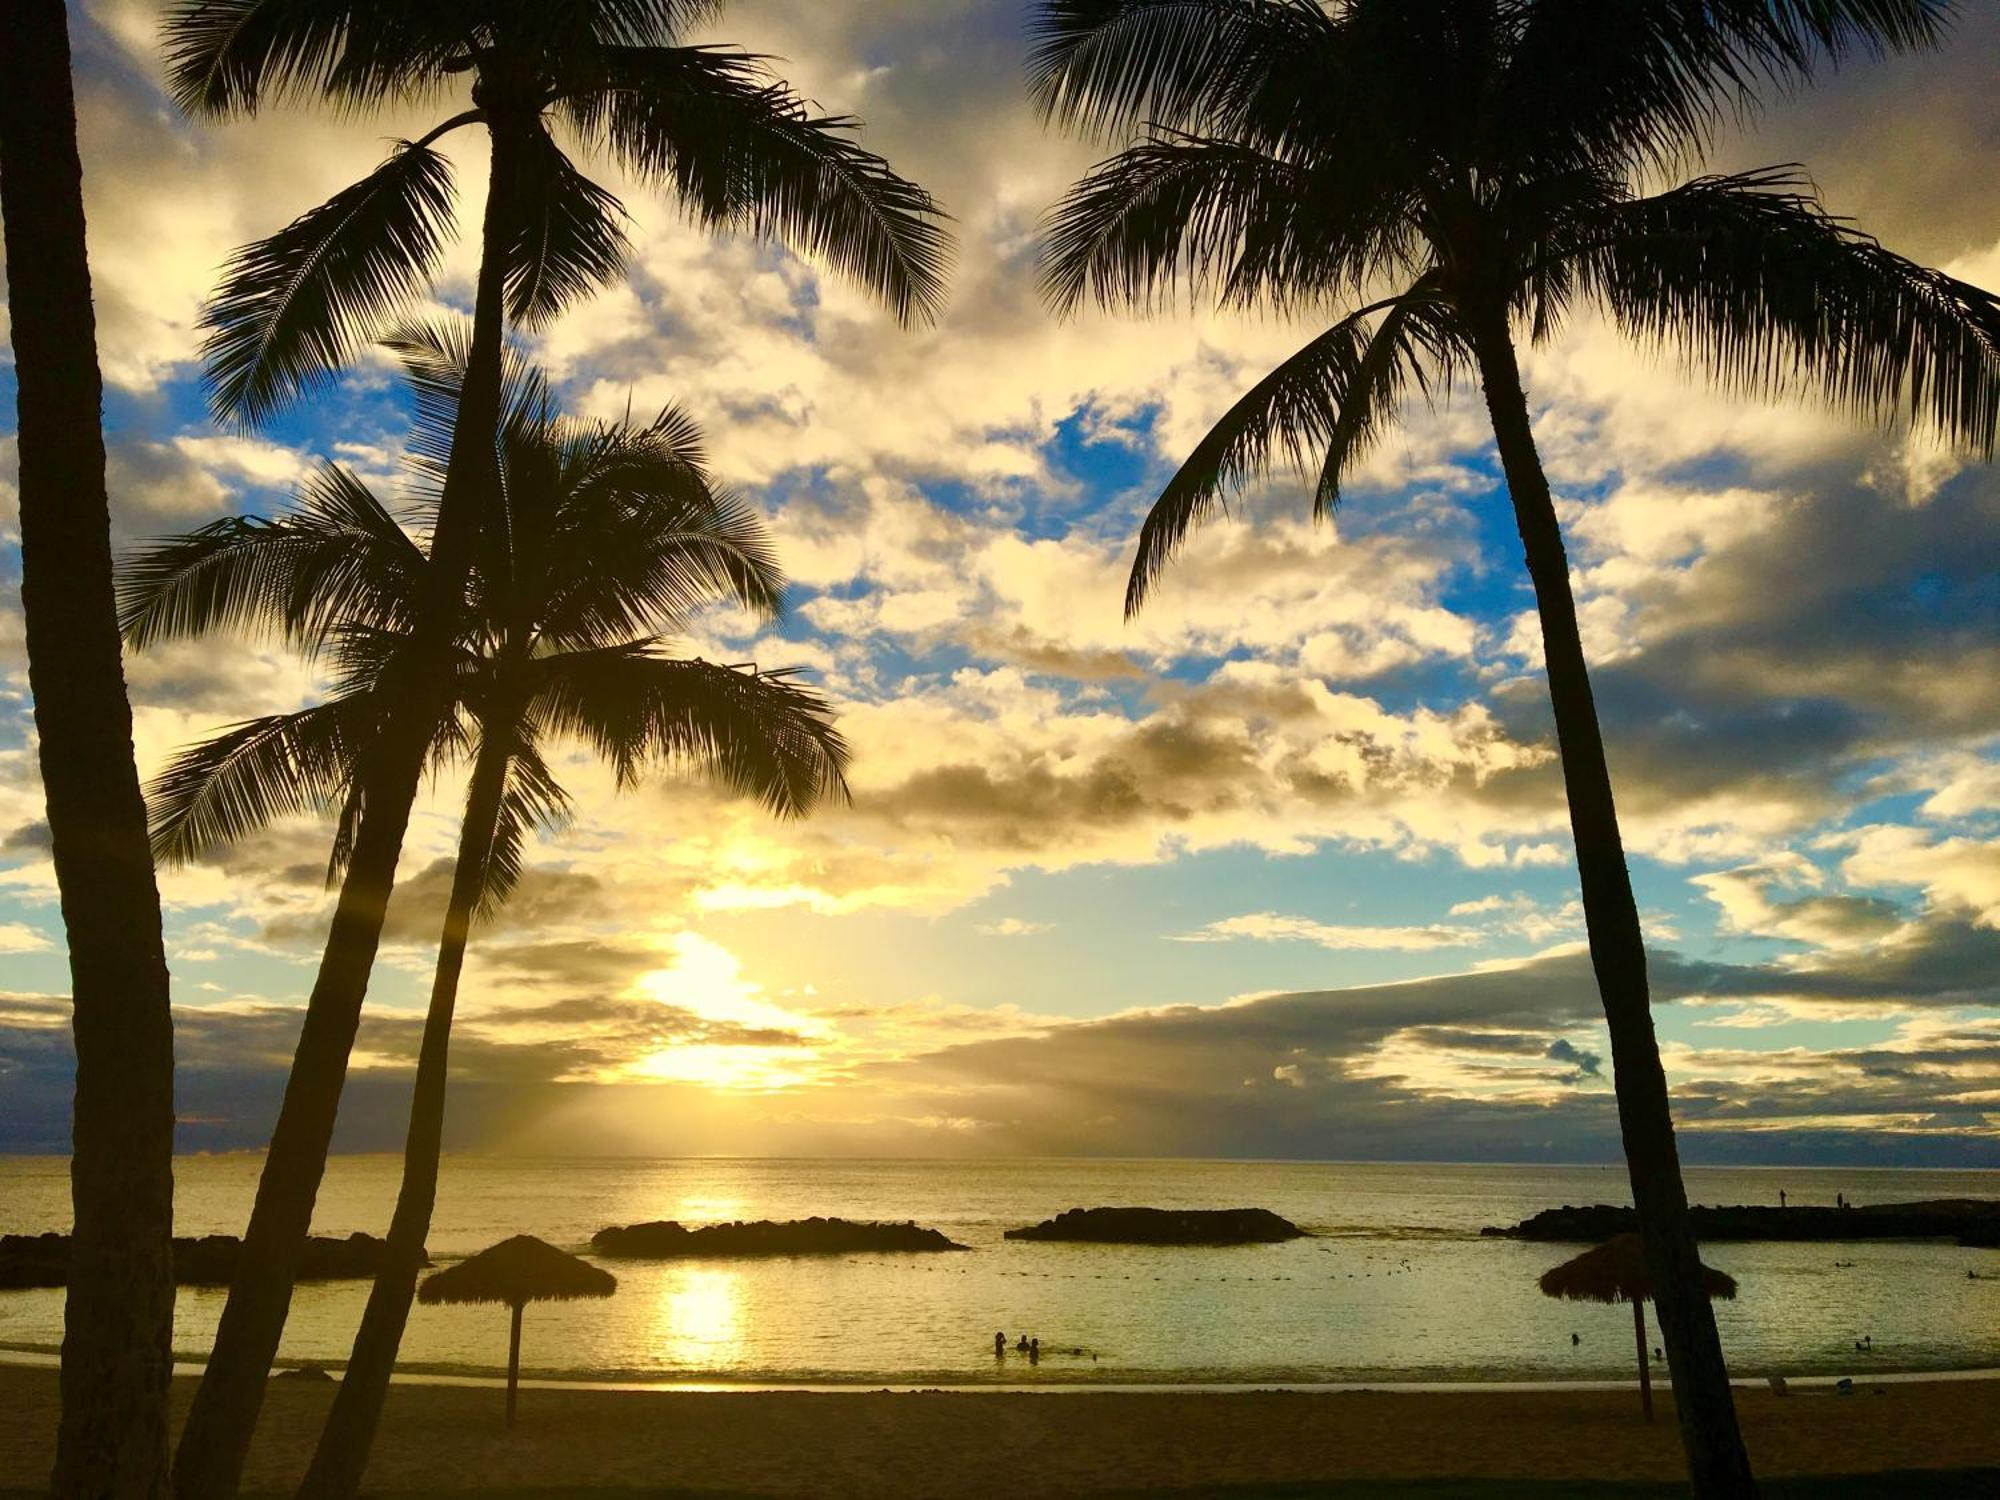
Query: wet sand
x=445, y=1439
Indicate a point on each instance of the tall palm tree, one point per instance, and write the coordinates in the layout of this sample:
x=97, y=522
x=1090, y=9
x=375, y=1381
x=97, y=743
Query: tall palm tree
x=118, y=1318
x=735, y=146
x=1432, y=178
x=600, y=540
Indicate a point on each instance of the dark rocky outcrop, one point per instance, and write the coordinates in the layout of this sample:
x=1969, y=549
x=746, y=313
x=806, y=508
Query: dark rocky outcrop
x=1164, y=1226
x=42, y=1260
x=663, y=1239
x=1969, y=1221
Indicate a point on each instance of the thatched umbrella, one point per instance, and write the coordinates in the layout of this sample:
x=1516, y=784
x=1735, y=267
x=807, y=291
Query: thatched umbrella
x=517, y=1272
x=1616, y=1272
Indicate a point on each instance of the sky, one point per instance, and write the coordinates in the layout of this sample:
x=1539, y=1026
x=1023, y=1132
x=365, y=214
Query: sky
x=1279, y=869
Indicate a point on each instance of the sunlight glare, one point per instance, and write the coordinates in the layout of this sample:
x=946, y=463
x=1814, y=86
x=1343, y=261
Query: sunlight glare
x=741, y=1040
x=697, y=1316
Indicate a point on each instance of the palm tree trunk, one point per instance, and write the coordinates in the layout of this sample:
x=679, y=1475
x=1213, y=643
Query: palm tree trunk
x=1717, y=1463
x=349, y=1433
x=118, y=1317
x=1645, y=1369
x=209, y=1462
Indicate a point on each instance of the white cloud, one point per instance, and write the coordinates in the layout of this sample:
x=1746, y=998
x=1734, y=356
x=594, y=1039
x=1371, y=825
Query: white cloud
x=1960, y=874
x=1273, y=927
x=19, y=937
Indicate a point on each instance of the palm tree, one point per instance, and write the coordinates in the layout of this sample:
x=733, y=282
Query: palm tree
x=738, y=149
x=1433, y=176
x=118, y=1319
x=601, y=540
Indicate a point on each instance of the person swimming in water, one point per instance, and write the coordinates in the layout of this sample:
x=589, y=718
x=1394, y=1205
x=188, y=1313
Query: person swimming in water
x=999, y=1346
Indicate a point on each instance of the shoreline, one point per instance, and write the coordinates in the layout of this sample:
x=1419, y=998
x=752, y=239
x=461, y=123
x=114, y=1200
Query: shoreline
x=442, y=1440
x=49, y=1359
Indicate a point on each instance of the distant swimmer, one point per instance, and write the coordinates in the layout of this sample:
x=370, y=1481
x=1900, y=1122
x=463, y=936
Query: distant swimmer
x=999, y=1346
x=1022, y=1347
x=1575, y=1339
x=1781, y=1197
x=1034, y=1351
x=1865, y=1343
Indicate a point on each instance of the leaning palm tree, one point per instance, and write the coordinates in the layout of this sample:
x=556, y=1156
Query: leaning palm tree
x=117, y=1352
x=736, y=147
x=1431, y=178
x=601, y=540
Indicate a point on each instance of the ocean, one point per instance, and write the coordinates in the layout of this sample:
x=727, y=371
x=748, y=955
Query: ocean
x=1396, y=1284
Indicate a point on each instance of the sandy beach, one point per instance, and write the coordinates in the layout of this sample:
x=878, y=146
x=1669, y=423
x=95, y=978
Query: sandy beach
x=449, y=1440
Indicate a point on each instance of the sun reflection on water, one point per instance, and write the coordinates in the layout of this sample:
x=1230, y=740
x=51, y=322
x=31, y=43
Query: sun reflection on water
x=708, y=1208
x=697, y=1317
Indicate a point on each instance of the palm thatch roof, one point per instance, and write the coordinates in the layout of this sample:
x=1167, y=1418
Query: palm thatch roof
x=1616, y=1272
x=523, y=1269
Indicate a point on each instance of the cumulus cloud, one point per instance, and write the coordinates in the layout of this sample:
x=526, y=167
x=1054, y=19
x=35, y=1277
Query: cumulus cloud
x=19, y=937
x=1585, y=1064
x=1272, y=927
x=1790, y=620
x=1746, y=897
x=1506, y=1062
x=1013, y=927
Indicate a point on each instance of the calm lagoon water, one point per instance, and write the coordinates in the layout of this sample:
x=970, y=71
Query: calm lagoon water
x=1396, y=1284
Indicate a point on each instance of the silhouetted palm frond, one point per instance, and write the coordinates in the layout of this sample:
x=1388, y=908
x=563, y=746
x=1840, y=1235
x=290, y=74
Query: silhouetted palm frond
x=532, y=802
x=1751, y=279
x=757, y=734
x=337, y=557
x=434, y=355
x=1650, y=89
x=292, y=308
x=565, y=234
x=1293, y=413
x=1203, y=66
x=226, y=57
x=742, y=150
x=1416, y=343
x=554, y=27
x=1168, y=212
x=642, y=541
x=252, y=774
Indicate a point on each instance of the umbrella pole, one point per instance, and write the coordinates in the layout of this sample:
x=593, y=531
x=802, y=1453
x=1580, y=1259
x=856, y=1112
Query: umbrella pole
x=1638, y=1329
x=514, y=1363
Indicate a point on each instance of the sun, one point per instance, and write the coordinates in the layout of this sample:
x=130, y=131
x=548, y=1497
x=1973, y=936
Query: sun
x=706, y=981
x=730, y=1069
